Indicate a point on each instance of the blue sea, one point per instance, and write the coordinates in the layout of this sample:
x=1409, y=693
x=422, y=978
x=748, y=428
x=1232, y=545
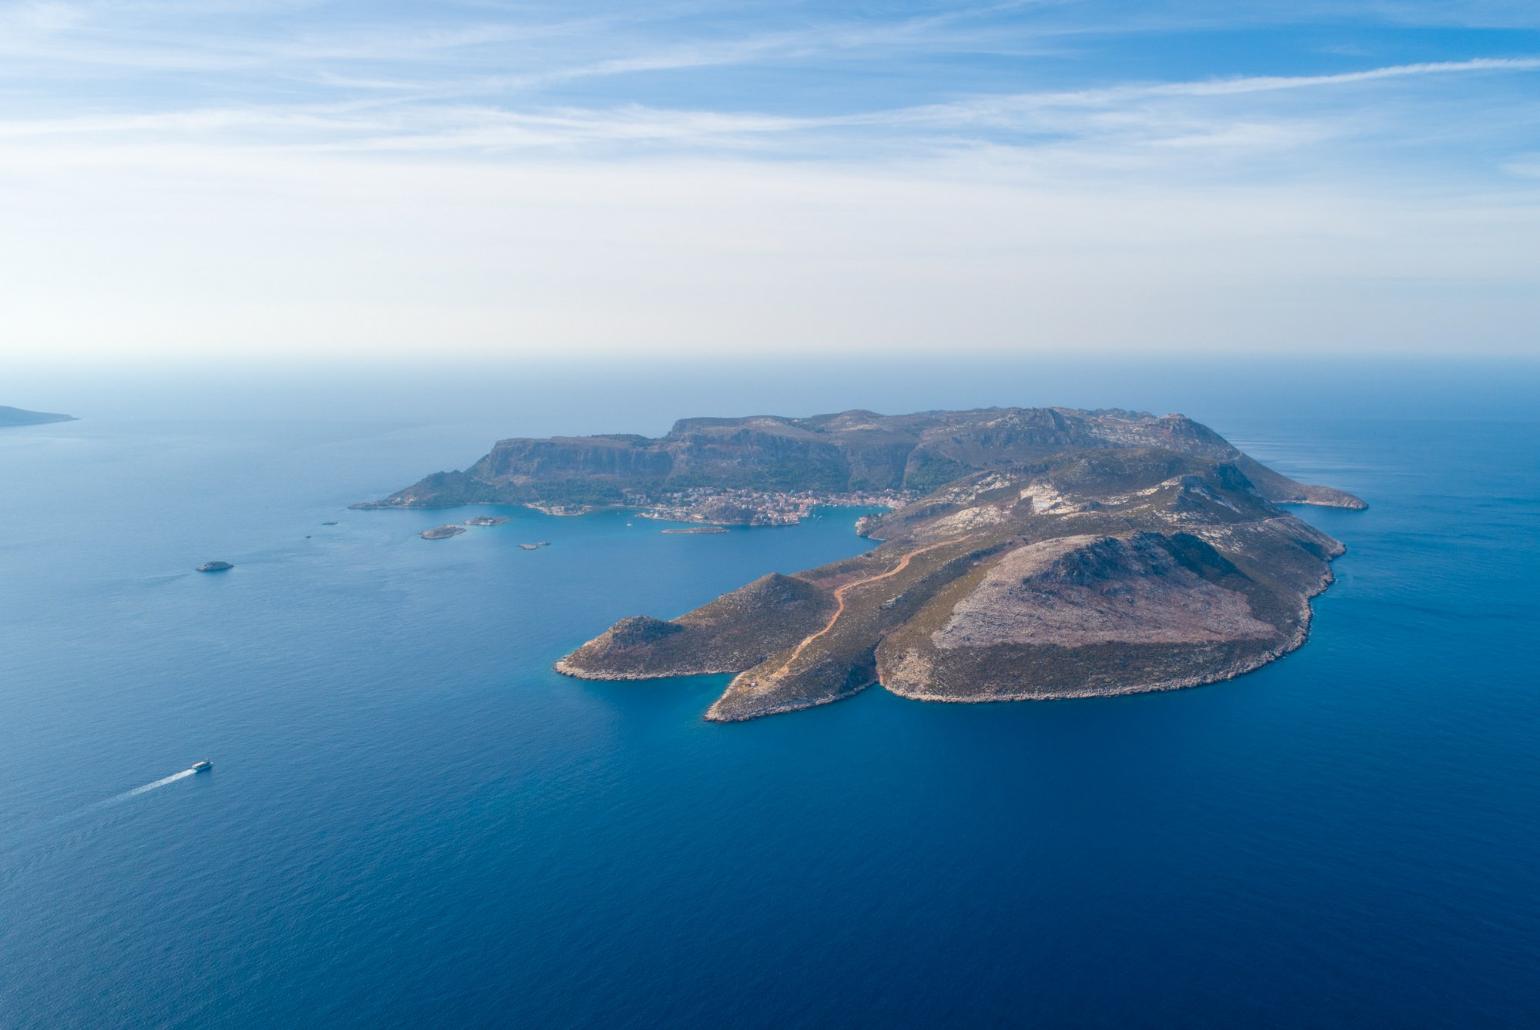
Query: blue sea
x=413, y=821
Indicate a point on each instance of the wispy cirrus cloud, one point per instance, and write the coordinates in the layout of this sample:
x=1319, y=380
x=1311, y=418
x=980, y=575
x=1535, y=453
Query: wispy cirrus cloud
x=1012, y=106
x=1210, y=113
x=609, y=42
x=1095, y=173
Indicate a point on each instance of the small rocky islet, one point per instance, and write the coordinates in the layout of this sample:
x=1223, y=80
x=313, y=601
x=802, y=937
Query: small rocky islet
x=1027, y=553
x=454, y=529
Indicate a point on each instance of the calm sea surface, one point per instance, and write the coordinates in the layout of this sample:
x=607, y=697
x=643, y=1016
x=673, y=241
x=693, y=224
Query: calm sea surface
x=413, y=821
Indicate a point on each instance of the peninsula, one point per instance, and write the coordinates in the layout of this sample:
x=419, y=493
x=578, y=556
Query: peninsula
x=22, y=417
x=1027, y=553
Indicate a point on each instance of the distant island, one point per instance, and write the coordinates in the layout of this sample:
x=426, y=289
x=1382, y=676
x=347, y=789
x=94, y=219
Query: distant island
x=1028, y=553
x=22, y=417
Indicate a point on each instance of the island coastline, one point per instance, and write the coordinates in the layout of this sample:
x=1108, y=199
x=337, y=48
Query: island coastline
x=1022, y=554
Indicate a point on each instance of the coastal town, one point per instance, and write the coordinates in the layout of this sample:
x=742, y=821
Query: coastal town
x=756, y=507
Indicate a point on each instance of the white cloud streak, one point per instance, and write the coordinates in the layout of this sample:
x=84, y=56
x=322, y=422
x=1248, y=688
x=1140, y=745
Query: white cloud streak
x=1119, y=111
x=402, y=209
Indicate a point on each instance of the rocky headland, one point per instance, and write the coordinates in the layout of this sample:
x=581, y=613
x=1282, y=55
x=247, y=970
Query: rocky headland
x=22, y=417
x=1029, y=553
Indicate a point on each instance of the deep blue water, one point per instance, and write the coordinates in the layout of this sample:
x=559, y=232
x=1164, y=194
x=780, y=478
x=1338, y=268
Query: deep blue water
x=413, y=821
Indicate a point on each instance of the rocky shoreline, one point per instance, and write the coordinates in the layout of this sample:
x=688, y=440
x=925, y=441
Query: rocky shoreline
x=1092, y=573
x=1024, y=553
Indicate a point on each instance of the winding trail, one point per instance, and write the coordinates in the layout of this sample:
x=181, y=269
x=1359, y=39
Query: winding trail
x=839, y=597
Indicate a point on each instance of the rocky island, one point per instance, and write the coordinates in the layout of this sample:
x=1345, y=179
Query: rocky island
x=1028, y=554
x=22, y=417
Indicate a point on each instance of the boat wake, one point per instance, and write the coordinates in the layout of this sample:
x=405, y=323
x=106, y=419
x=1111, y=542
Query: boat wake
x=163, y=781
x=43, y=839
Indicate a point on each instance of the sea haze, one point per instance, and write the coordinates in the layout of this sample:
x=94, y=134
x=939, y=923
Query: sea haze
x=412, y=819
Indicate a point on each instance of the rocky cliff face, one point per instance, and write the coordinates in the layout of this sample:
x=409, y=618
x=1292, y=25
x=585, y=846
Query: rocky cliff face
x=853, y=451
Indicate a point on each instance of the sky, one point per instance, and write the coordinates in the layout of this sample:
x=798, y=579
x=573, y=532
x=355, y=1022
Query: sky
x=266, y=179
